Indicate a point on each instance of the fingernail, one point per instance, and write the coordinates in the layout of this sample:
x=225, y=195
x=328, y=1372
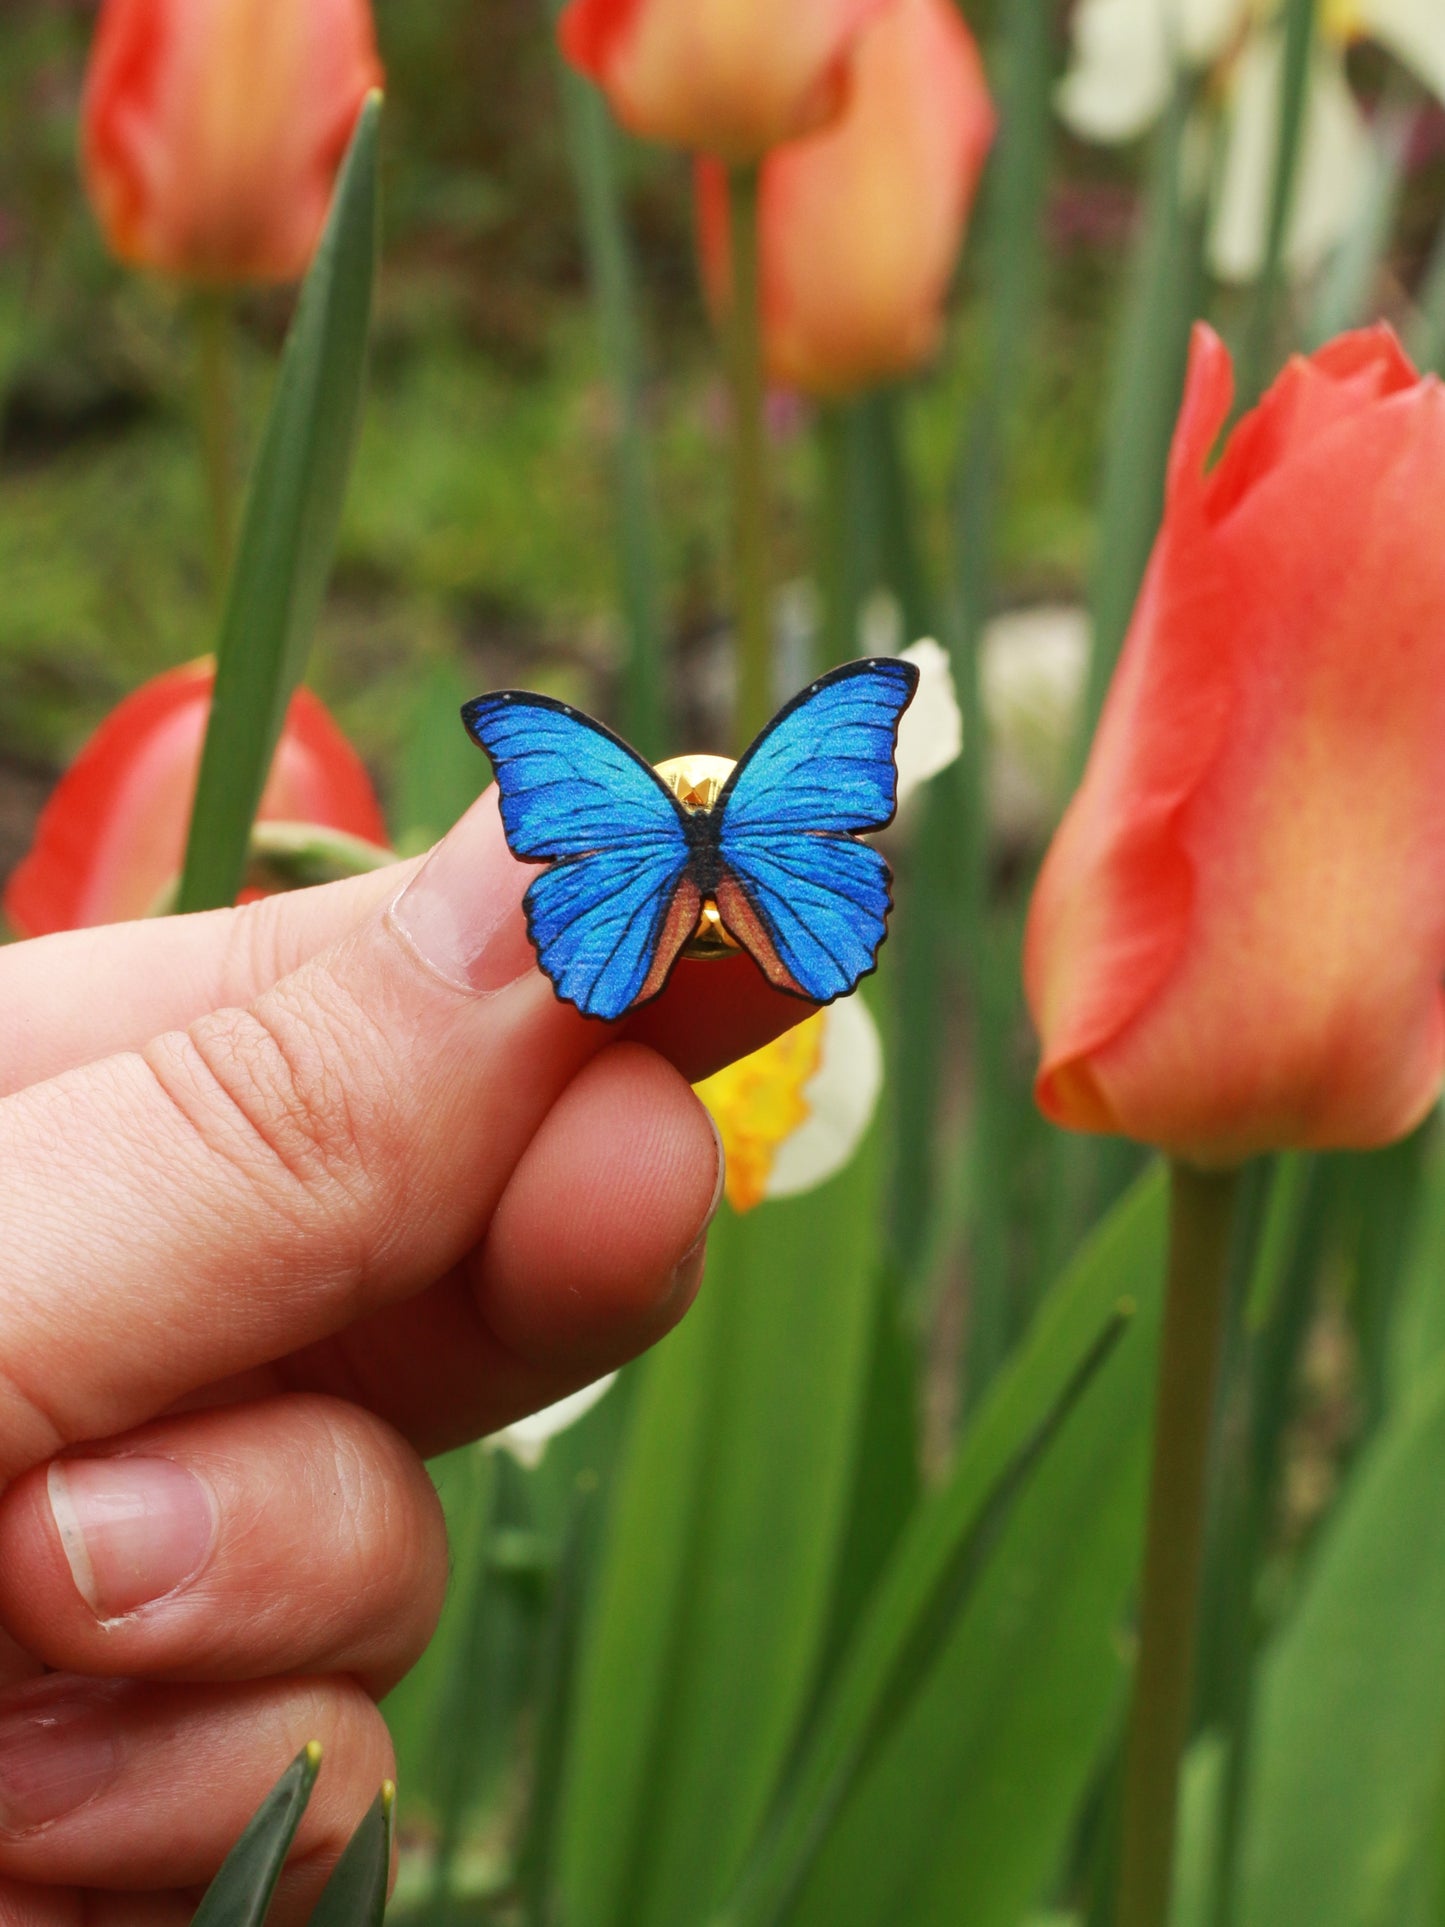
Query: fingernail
x=462, y=911
x=133, y=1529
x=58, y=1749
x=686, y=1278
x=721, y=1178
x=687, y=1273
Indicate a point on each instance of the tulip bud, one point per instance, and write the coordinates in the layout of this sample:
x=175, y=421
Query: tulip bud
x=860, y=225
x=1238, y=938
x=213, y=129
x=113, y=835
x=732, y=77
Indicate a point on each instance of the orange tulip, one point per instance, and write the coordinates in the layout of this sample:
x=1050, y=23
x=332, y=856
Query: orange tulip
x=1238, y=937
x=213, y=129
x=113, y=834
x=733, y=77
x=860, y=225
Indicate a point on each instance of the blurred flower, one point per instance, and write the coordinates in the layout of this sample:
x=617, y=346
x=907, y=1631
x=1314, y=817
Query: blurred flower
x=793, y=1113
x=930, y=736
x=1033, y=668
x=860, y=225
x=1125, y=56
x=112, y=836
x=528, y=1438
x=212, y=129
x=1238, y=937
x=732, y=77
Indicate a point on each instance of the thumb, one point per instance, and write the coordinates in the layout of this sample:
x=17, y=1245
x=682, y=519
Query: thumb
x=256, y=1182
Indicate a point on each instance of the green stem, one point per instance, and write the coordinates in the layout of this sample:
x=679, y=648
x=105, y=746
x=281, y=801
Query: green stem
x=1201, y=1221
x=1255, y=353
x=750, y=505
x=839, y=517
x=217, y=419
x=593, y=142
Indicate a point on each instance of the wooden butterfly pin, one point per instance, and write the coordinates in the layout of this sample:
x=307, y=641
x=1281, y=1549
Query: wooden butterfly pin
x=699, y=856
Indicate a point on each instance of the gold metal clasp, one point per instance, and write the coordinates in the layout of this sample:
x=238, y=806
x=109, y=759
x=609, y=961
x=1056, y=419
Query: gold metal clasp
x=697, y=782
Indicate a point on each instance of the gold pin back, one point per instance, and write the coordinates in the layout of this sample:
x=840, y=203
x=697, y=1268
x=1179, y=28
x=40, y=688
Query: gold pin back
x=697, y=782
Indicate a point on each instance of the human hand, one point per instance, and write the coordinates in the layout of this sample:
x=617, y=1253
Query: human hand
x=290, y=1196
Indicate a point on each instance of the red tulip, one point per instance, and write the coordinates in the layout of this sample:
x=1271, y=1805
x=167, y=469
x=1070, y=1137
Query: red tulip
x=733, y=77
x=860, y=225
x=1238, y=937
x=113, y=834
x=213, y=129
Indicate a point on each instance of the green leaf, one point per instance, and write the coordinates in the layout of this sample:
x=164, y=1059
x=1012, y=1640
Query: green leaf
x=721, y=1559
x=241, y=1892
x=1147, y=380
x=1348, y=1755
x=355, y=1895
x=1417, y=1336
x=980, y=1725
x=288, y=533
x=441, y=773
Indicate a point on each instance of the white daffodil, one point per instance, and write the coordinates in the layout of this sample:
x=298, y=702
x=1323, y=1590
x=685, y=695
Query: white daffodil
x=930, y=736
x=1127, y=52
x=793, y=1113
x=1032, y=672
x=528, y=1438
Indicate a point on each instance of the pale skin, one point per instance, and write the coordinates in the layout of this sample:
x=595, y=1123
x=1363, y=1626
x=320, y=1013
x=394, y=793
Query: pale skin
x=290, y=1197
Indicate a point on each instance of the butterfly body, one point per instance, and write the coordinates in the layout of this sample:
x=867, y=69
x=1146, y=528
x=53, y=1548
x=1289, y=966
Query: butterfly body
x=774, y=858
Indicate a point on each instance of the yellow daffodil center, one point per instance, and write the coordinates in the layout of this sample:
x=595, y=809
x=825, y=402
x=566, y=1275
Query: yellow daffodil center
x=758, y=1103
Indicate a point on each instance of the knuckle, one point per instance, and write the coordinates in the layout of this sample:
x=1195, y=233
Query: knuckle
x=385, y=1511
x=258, y=950
x=271, y=1089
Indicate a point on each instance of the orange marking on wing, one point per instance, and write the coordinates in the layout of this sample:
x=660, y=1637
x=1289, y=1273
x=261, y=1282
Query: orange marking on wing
x=747, y=926
x=681, y=921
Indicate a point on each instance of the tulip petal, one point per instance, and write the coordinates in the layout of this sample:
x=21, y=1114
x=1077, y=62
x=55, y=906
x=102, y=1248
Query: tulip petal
x=861, y=224
x=1109, y=917
x=112, y=835
x=1239, y=935
x=728, y=77
x=213, y=129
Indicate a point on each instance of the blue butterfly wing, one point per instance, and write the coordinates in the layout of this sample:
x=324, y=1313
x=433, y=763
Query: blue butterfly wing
x=807, y=900
x=613, y=910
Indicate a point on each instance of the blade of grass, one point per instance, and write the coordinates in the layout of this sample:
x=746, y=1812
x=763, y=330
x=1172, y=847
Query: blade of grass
x=1167, y=285
x=355, y=1895
x=241, y=1892
x=1013, y=261
x=965, y=1812
x=931, y=1576
x=555, y=1702
x=288, y=533
x=593, y=144
x=1426, y=335
x=722, y=1556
